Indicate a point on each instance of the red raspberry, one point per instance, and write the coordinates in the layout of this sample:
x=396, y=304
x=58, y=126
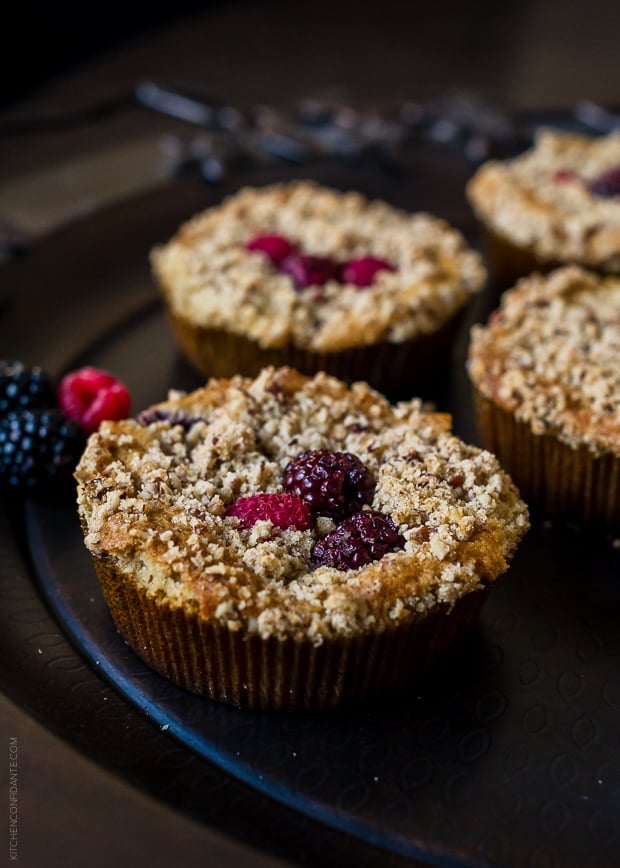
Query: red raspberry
x=89, y=396
x=365, y=537
x=310, y=270
x=361, y=272
x=564, y=176
x=275, y=247
x=282, y=510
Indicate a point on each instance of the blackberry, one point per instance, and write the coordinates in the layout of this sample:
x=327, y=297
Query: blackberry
x=38, y=447
x=23, y=388
x=174, y=417
x=364, y=537
x=607, y=185
x=309, y=270
x=334, y=484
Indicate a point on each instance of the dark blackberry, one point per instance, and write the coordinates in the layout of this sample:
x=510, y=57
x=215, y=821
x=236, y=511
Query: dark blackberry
x=607, y=185
x=23, y=388
x=154, y=414
x=38, y=447
x=334, y=484
x=364, y=537
x=309, y=270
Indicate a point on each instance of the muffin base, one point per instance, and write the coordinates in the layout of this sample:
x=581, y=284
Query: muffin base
x=395, y=369
x=507, y=262
x=279, y=675
x=561, y=480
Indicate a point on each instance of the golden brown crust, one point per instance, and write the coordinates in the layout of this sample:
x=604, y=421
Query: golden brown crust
x=553, y=217
x=210, y=280
x=549, y=356
x=153, y=501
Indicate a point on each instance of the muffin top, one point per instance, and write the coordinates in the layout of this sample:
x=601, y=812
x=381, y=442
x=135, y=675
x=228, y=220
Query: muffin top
x=172, y=497
x=209, y=278
x=551, y=353
x=560, y=199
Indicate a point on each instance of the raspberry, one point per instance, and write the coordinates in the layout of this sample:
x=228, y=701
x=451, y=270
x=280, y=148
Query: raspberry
x=334, y=484
x=38, y=447
x=564, y=176
x=282, y=510
x=364, y=537
x=361, y=272
x=607, y=185
x=23, y=388
x=89, y=396
x=275, y=247
x=310, y=270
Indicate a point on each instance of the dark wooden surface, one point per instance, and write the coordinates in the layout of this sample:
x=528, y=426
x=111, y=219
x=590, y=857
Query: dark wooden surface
x=538, y=53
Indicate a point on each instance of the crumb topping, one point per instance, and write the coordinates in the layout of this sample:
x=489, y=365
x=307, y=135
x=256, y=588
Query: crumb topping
x=153, y=498
x=541, y=200
x=550, y=356
x=210, y=279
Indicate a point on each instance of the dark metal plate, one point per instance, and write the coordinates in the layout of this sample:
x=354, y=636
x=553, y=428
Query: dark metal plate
x=506, y=755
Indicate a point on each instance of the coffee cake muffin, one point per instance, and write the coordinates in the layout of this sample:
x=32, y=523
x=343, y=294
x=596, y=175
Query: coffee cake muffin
x=292, y=542
x=546, y=378
x=556, y=204
x=301, y=275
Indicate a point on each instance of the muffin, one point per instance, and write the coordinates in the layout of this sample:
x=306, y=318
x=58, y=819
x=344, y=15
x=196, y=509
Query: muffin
x=546, y=378
x=301, y=275
x=291, y=542
x=556, y=204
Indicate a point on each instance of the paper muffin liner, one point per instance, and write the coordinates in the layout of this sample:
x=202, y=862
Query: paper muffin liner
x=395, y=369
x=247, y=671
x=551, y=475
x=508, y=263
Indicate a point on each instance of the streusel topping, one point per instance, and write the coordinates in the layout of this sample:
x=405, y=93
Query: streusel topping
x=542, y=200
x=153, y=499
x=210, y=279
x=551, y=356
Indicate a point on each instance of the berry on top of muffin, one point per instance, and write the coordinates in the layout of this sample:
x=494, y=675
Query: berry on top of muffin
x=559, y=201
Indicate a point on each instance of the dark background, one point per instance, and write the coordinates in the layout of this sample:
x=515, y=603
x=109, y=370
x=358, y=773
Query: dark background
x=543, y=52
x=51, y=39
